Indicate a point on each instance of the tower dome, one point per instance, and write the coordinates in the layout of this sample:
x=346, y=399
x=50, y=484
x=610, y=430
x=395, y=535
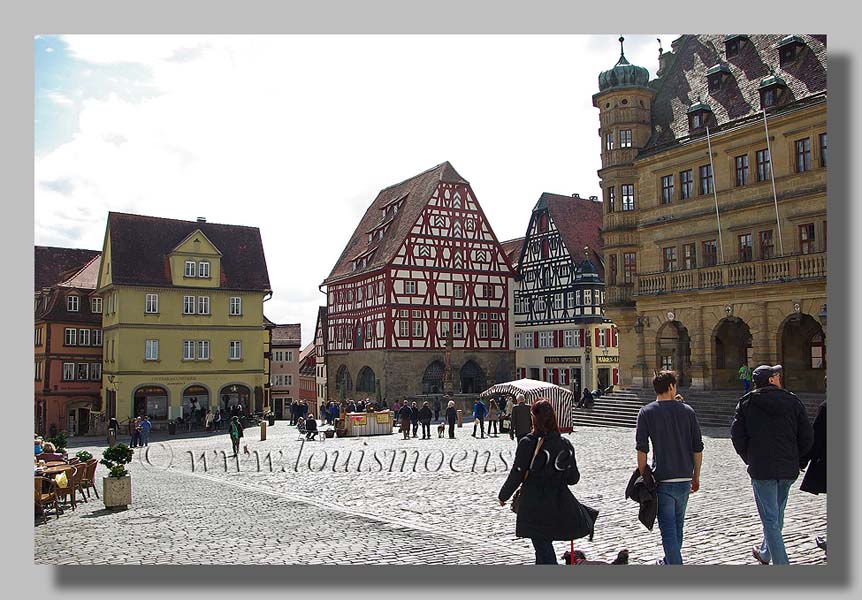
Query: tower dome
x=623, y=74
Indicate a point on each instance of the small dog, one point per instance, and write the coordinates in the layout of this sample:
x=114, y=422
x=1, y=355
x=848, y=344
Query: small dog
x=441, y=429
x=245, y=449
x=580, y=558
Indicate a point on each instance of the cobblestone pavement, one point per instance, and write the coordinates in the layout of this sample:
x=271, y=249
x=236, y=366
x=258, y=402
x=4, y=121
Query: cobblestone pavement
x=294, y=509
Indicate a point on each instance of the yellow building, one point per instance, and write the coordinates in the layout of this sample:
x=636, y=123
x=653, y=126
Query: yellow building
x=714, y=228
x=182, y=318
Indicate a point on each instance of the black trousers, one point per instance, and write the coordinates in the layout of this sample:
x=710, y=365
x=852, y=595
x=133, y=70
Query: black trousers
x=436, y=414
x=545, y=554
x=426, y=430
x=415, y=427
x=481, y=422
x=452, y=430
x=492, y=423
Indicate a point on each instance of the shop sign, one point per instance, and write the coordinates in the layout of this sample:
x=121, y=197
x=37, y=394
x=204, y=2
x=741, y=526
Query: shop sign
x=359, y=420
x=607, y=359
x=559, y=360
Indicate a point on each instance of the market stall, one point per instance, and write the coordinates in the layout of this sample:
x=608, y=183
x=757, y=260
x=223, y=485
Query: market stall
x=560, y=398
x=368, y=423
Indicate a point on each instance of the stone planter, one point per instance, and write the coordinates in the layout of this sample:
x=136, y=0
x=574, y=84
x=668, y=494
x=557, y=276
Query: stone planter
x=117, y=491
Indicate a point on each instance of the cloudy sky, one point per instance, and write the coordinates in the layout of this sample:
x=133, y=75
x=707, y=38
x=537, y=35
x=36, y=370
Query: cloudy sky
x=297, y=134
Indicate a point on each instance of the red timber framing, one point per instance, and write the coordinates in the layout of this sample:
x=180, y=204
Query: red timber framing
x=449, y=274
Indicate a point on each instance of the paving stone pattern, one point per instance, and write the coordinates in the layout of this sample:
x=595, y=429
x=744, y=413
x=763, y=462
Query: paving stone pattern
x=293, y=514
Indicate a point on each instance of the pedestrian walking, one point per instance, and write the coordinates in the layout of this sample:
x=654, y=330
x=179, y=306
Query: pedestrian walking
x=501, y=413
x=217, y=420
x=146, y=426
x=545, y=467
x=136, y=432
x=745, y=375
x=208, y=421
x=522, y=422
x=677, y=444
x=771, y=433
x=414, y=417
x=492, y=417
x=437, y=407
x=479, y=412
x=404, y=414
x=425, y=419
x=451, y=418
x=814, y=463
x=235, y=432
x=335, y=412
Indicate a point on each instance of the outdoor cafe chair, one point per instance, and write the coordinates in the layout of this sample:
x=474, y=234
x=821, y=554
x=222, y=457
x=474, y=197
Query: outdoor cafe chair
x=73, y=477
x=43, y=498
x=88, y=480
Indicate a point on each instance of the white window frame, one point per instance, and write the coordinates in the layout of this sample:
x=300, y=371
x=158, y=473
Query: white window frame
x=95, y=371
x=288, y=356
x=568, y=338
x=570, y=300
x=83, y=337
x=410, y=287
x=603, y=339
x=68, y=371
x=189, y=349
x=457, y=329
x=151, y=350
x=86, y=372
x=495, y=329
x=73, y=303
x=203, y=350
x=37, y=340
x=416, y=330
x=517, y=340
x=403, y=328
x=203, y=305
x=189, y=305
x=235, y=306
x=191, y=269
x=458, y=290
x=70, y=337
x=235, y=350
x=151, y=304
x=529, y=340
x=96, y=306
x=204, y=269
x=558, y=302
x=97, y=337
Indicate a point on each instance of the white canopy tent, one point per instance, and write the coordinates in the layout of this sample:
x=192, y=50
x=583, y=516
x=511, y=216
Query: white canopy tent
x=560, y=398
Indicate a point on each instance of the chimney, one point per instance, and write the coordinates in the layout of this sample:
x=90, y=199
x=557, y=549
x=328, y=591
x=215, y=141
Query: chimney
x=202, y=219
x=594, y=198
x=578, y=196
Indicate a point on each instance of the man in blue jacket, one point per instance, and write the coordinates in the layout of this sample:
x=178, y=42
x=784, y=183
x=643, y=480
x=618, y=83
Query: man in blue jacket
x=770, y=432
x=479, y=412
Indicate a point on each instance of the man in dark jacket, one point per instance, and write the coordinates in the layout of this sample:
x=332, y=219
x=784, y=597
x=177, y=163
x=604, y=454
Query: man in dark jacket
x=814, y=481
x=771, y=432
x=414, y=417
x=677, y=455
x=479, y=412
x=425, y=419
x=404, y=414
x=437, y=407
x=522, y=422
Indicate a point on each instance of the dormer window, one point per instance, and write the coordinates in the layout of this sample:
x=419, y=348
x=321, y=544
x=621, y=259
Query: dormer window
x=191, y=268
x=716, y=76
x=698, y=115
x=72, y=303
x=772, y=90
x=789, y=49
x=733, y=44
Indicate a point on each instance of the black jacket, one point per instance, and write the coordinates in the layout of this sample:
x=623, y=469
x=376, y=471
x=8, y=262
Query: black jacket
x=414, y=414
x=425, y=414
x=404, y=413
x=815, y=459
x=548, y=510
x=642, y=489
x=522, y=422
x=771, y=432
x=451, y=415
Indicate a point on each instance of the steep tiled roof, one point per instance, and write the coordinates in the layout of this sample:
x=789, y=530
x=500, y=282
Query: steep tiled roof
x=287, y=335
x=415, y=192
x=512, y=248
x=321, y=322
x=307, y=361
x=140, y=246
x=86, y=277
x=52, y=263
x=579, y=222
x=738, y=99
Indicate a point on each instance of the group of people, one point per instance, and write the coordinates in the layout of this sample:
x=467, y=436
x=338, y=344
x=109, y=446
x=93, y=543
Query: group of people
x=139, y=430
x=770, y=432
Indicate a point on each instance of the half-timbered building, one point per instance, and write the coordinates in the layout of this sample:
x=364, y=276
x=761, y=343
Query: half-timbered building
x=320, y=356
x=423, y=270
x=561, y=335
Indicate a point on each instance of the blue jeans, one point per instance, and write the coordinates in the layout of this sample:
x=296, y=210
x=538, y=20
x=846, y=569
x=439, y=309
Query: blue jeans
x=771, y=498
x=672, y=500
x=545, y=554
x=145, y=437
x=746, y=384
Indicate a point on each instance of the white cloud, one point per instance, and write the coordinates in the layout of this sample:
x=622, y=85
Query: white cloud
x=60, y=98
x=49, y=50
x=296, y=134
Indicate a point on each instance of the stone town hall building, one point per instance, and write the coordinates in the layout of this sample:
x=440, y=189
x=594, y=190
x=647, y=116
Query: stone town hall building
x=422, y=270
x=714, y=228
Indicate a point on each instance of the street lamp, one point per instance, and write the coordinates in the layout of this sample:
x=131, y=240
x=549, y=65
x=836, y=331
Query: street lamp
x=822, y=315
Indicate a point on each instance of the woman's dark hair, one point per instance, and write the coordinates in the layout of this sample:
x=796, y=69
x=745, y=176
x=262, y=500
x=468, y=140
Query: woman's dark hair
x=663, y=380
x=544, y=417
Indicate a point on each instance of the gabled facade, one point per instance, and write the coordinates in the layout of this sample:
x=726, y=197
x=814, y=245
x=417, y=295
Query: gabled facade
x=307, y=379
x=183, y=317
x=320, y=357
x=714, y=229
x=561, y=335
x=67, y=341
x=284, y=367
x=423, y=268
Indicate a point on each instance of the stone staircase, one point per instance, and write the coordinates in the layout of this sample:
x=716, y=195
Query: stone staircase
x=714, y=408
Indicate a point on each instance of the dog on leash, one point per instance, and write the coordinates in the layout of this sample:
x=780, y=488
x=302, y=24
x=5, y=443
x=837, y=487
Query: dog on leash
x=579, y=558
x=441, y=429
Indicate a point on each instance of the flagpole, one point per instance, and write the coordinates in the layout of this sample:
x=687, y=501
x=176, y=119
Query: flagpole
x=715, y=195
x=774, y=195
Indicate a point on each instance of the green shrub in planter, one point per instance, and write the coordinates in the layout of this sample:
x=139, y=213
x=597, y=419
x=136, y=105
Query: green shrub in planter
x=115, y=458
x=59, y=441
x=83, y=456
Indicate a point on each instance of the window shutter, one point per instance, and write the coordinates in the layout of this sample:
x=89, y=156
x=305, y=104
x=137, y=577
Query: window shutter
x=596, y=337
x=556, y=377
x=613, y=337
x=581, y=336
x=616, y=378
x=535, y=339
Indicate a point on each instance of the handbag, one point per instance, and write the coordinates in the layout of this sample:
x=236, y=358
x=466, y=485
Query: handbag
x=516, y=497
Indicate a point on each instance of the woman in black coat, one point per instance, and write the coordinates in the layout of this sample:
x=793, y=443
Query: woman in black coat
x=548, y=511
x=425, y=415
x=814, y=481
x=451, y=417
x=414, y=417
